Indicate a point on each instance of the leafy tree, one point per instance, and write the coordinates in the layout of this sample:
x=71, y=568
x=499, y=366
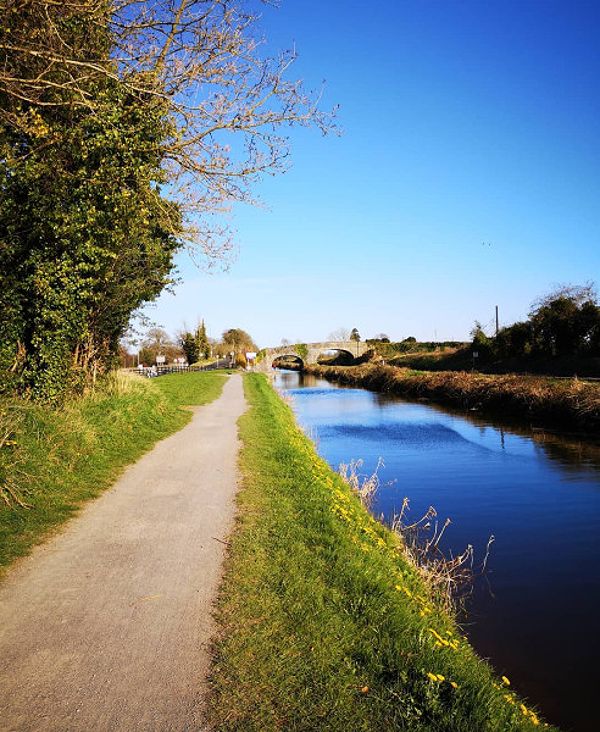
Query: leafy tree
x=482, y=344
x=217, y=87
x=565, y=322
x=190, y=348
x=238, y=341
x=85, y=235
x=355, y=335
x=514, y=340
x=87, y=142
x=202, y=343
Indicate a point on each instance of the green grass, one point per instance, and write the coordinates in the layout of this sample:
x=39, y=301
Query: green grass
x=192, y=388
x=324, y=625
x=54, y=460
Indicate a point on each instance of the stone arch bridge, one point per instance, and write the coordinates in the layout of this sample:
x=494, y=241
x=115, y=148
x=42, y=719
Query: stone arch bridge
x=308, y=353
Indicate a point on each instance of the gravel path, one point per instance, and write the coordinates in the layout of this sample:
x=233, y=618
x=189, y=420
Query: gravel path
x=106, y=626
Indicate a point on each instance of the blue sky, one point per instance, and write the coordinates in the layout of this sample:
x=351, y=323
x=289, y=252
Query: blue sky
x=467, y=175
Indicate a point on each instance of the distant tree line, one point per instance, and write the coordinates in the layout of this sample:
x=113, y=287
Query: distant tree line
x=388, y=348
x=563, y=323
x=193, y=346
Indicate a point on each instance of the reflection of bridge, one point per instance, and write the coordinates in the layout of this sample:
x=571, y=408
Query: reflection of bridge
x=308, y=353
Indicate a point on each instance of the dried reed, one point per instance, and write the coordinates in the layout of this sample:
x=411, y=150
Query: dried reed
x=451, y=578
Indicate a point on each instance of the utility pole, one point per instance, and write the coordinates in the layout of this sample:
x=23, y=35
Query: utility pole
x=497, y=321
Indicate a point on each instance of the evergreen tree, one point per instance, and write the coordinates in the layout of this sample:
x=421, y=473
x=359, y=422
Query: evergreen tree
x=202, y=343
x=189, y=345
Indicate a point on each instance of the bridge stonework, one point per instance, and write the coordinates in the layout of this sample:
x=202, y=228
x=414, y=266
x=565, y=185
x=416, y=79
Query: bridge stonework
x=309, y=352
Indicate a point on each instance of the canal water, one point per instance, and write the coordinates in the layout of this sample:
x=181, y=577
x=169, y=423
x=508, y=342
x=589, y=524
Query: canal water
x=535, y=613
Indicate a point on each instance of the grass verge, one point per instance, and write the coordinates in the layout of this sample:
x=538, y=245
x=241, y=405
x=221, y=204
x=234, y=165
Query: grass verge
x=51, y=461
x=324, y=624
x=567, y=403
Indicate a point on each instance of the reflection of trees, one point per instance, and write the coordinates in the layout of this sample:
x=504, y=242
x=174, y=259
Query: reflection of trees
x=572, y=451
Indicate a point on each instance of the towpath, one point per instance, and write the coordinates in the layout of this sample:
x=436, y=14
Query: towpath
x=107, y=626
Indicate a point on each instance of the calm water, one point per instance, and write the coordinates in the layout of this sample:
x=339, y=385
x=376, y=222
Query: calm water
x=536, y=614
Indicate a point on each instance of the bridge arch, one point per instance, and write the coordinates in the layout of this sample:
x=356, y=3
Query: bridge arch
x=335, y=356
x=291, y=361
x=309, y=353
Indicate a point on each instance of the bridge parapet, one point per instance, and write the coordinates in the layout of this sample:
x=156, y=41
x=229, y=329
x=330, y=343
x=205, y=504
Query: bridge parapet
x=309, y=352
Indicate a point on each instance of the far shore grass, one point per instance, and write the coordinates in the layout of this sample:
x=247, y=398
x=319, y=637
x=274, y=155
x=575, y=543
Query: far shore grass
x=568, y=404
x=53, y=460
x=324, y=625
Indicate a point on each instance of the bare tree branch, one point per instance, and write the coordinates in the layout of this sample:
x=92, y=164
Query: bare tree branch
x=227, y=102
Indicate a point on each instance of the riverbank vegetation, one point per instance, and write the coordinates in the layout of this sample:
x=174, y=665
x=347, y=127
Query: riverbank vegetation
x=567, y=403
x=560, y=337
x=52, y=460
x=324, y=623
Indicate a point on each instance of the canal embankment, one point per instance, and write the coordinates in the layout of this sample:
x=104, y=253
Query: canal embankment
x=325, y=624
x=54, y=459
x=566, y=403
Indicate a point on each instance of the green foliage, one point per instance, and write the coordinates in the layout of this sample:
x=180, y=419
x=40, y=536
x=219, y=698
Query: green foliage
x=409, y=345
x=189, y=345
x=85, y=235
x=355, y=335
x=302, y=350
x=192, y=389
x=481, y=345
x=202, y=343
x=561, y=324
x=238, y=341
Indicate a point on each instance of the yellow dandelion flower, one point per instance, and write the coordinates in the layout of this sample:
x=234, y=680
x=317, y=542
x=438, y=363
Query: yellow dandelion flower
x=506, y=681
x=440, y=677
x=454, y=685
x=431, y=676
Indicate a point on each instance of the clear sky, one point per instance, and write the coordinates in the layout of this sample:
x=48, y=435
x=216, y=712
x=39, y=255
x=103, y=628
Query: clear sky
x=468, y=174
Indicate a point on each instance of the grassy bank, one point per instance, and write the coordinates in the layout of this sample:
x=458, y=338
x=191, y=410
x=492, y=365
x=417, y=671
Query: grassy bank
x=51, y=461
x=569, y=403
x=324, y=624
x=462, y=360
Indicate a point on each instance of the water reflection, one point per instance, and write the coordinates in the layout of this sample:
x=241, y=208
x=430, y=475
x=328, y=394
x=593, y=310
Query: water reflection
x=537, y=492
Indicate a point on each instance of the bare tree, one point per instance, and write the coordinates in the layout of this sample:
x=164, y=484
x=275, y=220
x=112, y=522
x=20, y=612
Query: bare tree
x=577, y=294
x=339, y=334
x=226, y=101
